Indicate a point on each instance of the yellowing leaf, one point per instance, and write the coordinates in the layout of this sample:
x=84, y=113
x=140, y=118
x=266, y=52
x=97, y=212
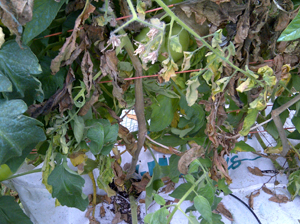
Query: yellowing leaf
x=246, y=86
x=186, y=64
x=78, y=158
x=175, y=44
x=169, y=69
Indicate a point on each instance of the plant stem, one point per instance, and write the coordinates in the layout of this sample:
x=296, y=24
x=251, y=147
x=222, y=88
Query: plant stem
x=133, y=208
x=185, y=196
x=25, y=173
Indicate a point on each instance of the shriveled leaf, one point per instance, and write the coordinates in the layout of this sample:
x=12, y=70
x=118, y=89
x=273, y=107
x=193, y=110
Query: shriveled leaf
x=224, y=211
x=169, y=69
x=87, y=72
x=19, y=134
x=203, y=207
x=15, y=14
x=44, y=12
x=251, y=198
x=279, y=198
x=192, y=92
x=11, y=212
x=255, y=171
x=242, y=146
x=106, y=175
x=292, y=32
x=186, y=64
x=19, y=66
x=188, y=157
x=267, y=190
x=67, y=187
x=162, y=112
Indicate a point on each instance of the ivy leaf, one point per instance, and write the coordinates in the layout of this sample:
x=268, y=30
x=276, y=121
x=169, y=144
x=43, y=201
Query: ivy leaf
x=5, y=84
x=67, y=187
x=44, y=12
x=18, y=65
x=19, y=134
x=175, y=44
x=242, y=146
x=162, y=112
x=292, y=32
x=10, y=212
x=203, y=207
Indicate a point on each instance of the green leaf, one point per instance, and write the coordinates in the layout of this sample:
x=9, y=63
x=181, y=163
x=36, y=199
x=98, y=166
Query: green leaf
x=192, y=219
x=292, y=32
x=162, y=112
x=96, y=135
x=224, y=187
x=110, y=131
x=294, y=184
x=216, y=219
x=51, y=83
x=207, y=191
x=192, y=92
x=175, y=44
x=159, y=199
x=171, y=140
x=44, y=12
x=242, y=146
x=296, y=122
x=78, y=128
x=174, y=172
x=249, y=121
x=5, y=84
x=10, y=212
x=106, y=174
x=67, y=187
x=160, y=216
x=18, y=134
x=203, y=207
x=18, y=65
x=181, y=190
x=151, y=85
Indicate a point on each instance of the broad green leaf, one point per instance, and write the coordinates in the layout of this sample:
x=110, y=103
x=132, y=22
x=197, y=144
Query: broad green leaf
x=67, y=187
x=207, y=191
x=148, y=217
x=162, y=112
x=19, y=134
x=5, y=84
x=183, y=132
x=192, y=92
x=192, y=219
x=296, y=122
x=223, y=187
x=203, y=207
x=152, y=86
x=181, y=190
x=44, y=12
x=51, y=83
x=242, y=146
x=160, y=216
x=294, y=184
x=216, y=219
x=10, y=212
x=171, y=140
x=96, y=135
x=175, y=44
x=174, y=172
x=249, y=121
x=19, y=66
x=110, y=131
x=189, y=178
x=159, y=199
x=292, y=32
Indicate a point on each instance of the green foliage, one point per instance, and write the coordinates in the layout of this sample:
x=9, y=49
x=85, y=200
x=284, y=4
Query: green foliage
x=10, y=212
x=291, y=32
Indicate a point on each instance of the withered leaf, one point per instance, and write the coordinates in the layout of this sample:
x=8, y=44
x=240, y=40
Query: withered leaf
x=170, y=186
x=128, y=138
x=267, y=190
x=279, y=198
x=132, y=116
x=87, y=72
x=141, y=185
x=70, y=45
x=220, y=167
x=14, y=14
x=117, y=218
x=189, y=156
x=255, y=171
x=102, y=211
x=251, y=198
x=224, y=211
x=89, y=103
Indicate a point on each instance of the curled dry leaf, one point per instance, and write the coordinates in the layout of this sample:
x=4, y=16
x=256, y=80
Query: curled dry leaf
x=141, y=185
x=224, y=211
x=117, y=218
x=279, y=198
x=87, y=72
x=189, y=156
x=102, y=211
x=128, y=138
x=220, y=167
x=14, y=14
x=70, y=46
x=251, y=198
x=255, y=171
x=132, y=116
x=89, y=103
x=267, y=190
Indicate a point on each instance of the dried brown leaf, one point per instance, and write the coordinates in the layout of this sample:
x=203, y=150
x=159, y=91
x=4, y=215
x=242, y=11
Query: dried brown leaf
x=255, y=171
x=132, y=116
x=117, y=218
x=170, y=186
x=87, y=106
x=279, y=198
x=188, y=157
x=243, y=26
x=220, y=167
x=142, y=201
x=128, y=138
x=102, y=211
x=70, y=45
x=267, y=190
x=282, y=21
x=14, y=14
x=87, y=72
x=141, y=185
x=224, y=211
x=251, y=198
